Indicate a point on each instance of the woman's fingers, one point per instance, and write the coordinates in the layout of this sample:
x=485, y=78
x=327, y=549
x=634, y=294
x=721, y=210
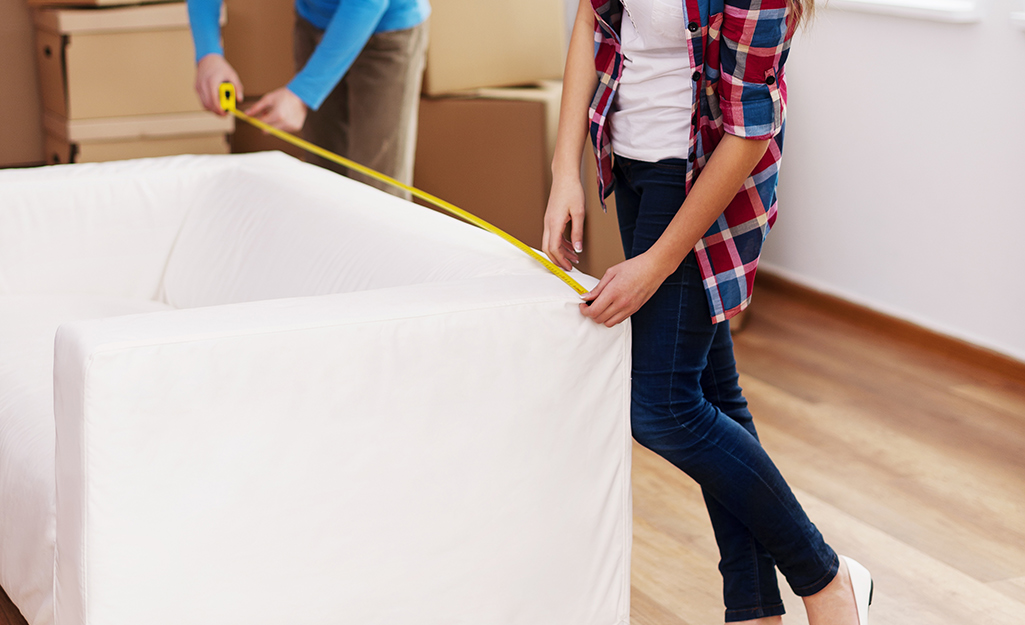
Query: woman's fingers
x=569, y=252
x=553, y=241
x=622, y=291
x=576, y=235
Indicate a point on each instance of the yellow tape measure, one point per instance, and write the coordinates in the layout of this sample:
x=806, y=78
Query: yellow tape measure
x=227, y=98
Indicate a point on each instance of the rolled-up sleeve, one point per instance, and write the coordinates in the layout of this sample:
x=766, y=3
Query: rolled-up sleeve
x=752, y=52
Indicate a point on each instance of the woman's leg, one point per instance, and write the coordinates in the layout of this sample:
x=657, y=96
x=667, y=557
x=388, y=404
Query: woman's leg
x=673, y=338
x=746, y=565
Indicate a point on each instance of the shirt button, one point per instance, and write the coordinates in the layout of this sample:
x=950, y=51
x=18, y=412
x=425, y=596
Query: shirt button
x=692, y=27
x=691, y=158
x=770, y=80
x=695, y=76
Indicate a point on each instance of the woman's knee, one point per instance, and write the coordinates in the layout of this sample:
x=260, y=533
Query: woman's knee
x=676, y=427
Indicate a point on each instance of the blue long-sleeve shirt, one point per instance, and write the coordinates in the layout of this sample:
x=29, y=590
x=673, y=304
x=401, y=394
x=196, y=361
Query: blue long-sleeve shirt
x=347, y=26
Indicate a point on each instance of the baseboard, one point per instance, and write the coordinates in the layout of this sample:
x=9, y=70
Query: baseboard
x=898, y=329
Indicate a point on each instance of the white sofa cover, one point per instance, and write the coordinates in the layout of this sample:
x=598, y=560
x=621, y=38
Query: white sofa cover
x=242, y=389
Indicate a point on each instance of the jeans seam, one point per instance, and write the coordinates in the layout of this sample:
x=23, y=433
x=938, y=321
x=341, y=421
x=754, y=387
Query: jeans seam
x=676, y=353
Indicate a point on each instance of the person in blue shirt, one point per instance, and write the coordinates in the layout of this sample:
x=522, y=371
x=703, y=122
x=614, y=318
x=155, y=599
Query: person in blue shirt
x=356, y=92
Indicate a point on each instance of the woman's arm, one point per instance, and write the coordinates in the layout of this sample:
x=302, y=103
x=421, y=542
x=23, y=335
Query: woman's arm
x=625, y=287
x=566, y=201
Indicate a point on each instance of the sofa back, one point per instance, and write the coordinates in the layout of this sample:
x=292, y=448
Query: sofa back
x=100, y=229
x=274, y=227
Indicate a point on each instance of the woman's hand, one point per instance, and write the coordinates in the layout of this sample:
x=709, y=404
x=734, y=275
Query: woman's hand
x=565, y=206
x=624, y=289
x=212, y=70
x=282, y=109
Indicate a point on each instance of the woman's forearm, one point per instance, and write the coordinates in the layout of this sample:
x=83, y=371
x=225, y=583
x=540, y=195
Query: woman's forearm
x=579, y=82
x=721, y=179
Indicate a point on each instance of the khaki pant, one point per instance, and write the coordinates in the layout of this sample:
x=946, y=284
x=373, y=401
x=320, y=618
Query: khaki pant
x=371, y=115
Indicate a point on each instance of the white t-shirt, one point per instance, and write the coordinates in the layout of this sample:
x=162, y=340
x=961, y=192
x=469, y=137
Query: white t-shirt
x=650, y=118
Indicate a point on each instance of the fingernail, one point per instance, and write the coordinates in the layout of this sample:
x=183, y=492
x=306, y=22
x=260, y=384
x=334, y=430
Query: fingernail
x=577, y=247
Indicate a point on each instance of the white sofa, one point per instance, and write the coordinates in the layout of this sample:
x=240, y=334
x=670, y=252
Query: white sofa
x=242, y=389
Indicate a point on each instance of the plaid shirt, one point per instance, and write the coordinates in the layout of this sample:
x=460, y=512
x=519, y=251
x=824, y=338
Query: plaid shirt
x=738, y=51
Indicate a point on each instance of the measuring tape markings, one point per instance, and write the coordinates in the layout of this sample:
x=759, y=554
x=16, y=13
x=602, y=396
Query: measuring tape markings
x=227, y=101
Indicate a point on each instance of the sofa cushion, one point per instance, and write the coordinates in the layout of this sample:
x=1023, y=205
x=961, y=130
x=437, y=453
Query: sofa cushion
x=27, y=327
x=275, y=227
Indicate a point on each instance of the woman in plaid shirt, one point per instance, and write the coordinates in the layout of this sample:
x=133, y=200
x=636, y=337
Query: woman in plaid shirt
x=690, y=96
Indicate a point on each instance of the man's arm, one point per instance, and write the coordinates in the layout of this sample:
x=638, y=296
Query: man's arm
x=211, y=67
x=344, y=38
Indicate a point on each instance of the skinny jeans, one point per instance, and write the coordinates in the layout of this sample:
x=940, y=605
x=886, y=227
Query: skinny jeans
x=688, y=407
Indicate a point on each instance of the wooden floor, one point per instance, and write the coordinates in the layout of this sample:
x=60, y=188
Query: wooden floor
x=907, y=457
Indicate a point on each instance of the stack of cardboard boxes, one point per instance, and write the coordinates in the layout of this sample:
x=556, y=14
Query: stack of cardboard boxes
x=117, y=81
x=489, y=116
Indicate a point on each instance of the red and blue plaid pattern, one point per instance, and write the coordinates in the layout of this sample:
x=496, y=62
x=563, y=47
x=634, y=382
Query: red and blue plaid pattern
x=738, y=50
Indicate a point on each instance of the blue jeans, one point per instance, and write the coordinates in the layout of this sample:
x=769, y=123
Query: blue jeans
x=688, y=407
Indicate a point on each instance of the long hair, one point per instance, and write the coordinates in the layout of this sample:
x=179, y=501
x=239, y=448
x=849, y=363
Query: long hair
x=798, y=12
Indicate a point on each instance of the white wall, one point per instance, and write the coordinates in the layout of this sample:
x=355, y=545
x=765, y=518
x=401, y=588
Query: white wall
x=903, y=181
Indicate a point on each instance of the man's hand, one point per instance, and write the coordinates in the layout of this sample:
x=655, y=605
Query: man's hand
x=282, y=109
x=211, y=71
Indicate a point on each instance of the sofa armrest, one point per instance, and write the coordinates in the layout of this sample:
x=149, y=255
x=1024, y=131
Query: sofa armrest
x=446, y=453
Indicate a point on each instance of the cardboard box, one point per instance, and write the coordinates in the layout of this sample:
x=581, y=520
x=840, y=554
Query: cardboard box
x=63, y=151
x=116, y=62
x=258, y=43
x=109, y=139
x=489, y=153
x=21, y=127
x=475, y=43
x=89, y=3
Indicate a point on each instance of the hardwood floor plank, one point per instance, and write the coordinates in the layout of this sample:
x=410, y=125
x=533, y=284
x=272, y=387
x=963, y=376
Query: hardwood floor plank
x=646, y=611
x=911, y=586
x=1007, y=402
x=680, y=577
x=1013, y=588
x=920, y=494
